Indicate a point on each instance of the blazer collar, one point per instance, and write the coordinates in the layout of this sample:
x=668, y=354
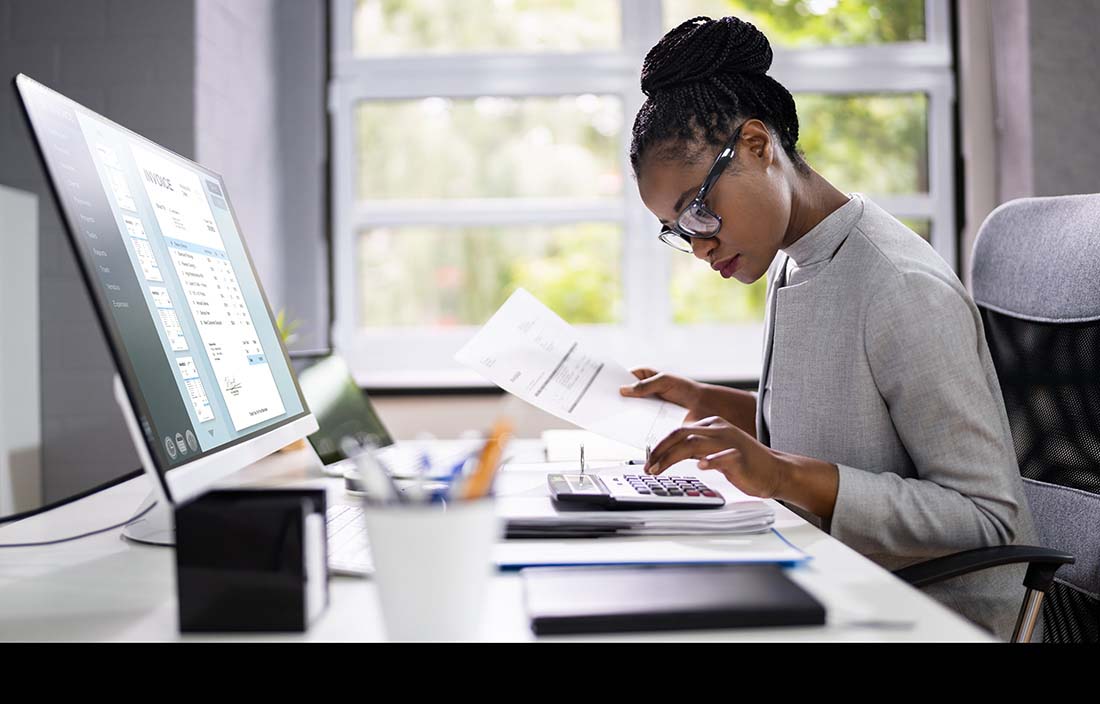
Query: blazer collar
x=821, y=242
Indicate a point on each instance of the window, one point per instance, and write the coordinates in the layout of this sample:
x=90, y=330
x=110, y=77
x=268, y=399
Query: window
x=482, y=146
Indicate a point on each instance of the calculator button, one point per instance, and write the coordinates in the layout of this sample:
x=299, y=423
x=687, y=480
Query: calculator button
x=691, y=492
x=708, y=492
x=675, y=492
x=642, y=491
x=660, y=492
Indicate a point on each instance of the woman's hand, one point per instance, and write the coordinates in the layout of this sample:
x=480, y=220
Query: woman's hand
x=750, y=466
x=689, y=394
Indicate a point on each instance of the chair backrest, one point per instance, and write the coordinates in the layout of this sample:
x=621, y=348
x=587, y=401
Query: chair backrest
x=1036, y=280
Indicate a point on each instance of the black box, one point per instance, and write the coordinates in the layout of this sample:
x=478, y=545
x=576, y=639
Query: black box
x=252, y=560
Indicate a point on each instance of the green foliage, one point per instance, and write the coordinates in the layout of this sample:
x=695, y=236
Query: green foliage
x=799, y=23
x=490, y=147
x=569, y=147
x=867, y=143
x=700, y=295
x=288, y=329
x=460, y=276
x=437, y=26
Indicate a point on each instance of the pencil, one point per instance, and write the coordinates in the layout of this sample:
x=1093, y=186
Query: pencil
x=489, y=461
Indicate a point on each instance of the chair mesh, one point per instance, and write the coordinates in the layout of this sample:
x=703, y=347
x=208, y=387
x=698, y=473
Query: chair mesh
x=1050, y=379
x=1070, y=616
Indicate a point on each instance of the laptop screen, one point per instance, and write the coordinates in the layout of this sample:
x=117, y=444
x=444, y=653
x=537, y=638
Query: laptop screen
x=341, y=408
x=191, y=331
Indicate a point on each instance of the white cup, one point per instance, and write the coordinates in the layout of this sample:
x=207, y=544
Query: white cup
x=432, y=566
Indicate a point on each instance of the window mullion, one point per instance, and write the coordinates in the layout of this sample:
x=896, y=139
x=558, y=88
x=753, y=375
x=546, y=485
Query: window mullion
x=502, y=211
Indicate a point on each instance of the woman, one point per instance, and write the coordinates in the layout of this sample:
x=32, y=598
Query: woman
x=879, y=417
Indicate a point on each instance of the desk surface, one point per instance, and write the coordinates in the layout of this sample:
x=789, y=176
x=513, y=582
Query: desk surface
x=106, y=588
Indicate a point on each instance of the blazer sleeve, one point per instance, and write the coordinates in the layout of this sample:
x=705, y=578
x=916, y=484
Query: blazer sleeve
x=926, y=349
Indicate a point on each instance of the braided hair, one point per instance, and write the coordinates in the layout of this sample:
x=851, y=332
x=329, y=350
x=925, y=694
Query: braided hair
x=701, y=80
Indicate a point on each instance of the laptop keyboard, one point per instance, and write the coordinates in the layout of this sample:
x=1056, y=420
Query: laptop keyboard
x=348, y=551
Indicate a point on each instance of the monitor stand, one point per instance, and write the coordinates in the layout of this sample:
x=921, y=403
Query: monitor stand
x=158, y=526
x=154, y=528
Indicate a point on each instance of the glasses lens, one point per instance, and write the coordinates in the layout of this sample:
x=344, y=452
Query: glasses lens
x=676, y=241
x=697, y=221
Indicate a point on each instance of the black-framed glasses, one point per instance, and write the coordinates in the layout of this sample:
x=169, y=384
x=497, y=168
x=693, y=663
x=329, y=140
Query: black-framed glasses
x=696, y=220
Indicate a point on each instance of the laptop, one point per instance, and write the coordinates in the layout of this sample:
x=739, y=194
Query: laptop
x=343, y=410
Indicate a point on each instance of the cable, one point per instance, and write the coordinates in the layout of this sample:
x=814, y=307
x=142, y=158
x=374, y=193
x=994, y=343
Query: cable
x=82, y=535
x=69, y=499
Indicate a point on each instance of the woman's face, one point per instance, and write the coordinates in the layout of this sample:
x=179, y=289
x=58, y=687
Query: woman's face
x=752, y=197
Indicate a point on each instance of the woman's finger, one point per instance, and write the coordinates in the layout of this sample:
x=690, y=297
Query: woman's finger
x=643, y=372
x=657, y=383
x=727, y=459
x=692, y=446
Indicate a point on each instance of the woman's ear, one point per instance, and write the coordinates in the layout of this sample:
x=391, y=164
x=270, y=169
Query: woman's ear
x=756, y=139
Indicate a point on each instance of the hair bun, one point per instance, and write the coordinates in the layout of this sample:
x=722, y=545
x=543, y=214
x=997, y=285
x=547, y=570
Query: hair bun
x=701, y=48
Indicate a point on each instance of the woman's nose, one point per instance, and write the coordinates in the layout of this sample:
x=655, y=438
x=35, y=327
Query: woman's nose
x=701, y=247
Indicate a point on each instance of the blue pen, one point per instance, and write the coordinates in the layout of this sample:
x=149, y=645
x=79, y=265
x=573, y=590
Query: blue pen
x=424, y=469
x=455, y=473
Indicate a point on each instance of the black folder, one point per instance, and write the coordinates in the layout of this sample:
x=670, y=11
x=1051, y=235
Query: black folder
x=573, y=600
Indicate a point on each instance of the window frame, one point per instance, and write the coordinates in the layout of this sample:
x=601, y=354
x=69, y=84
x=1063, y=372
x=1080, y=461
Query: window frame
x=396, y=358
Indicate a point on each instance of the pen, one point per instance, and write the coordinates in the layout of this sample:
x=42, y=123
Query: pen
x=479, y=484
x=379, y=485
x=454, y=476
x=423, y=469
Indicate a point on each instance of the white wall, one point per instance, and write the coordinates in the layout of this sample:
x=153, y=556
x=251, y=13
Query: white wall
x=260, y=122
x=20, y=413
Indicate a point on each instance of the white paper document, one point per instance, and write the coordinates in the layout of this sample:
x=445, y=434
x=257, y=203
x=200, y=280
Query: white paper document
x=528, y=351
x=739, y=515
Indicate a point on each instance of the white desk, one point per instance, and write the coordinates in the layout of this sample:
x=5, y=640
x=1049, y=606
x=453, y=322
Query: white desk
x=105, y=588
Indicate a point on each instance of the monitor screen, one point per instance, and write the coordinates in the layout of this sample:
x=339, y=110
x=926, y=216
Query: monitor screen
x=191, y=330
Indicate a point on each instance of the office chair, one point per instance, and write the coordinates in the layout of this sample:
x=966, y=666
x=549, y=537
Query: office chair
x=1036, y=280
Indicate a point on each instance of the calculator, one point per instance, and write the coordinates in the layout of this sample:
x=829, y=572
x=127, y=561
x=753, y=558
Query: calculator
x=632, y=491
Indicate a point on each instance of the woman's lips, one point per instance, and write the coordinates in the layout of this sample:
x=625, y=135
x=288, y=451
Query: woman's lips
x=727, y=267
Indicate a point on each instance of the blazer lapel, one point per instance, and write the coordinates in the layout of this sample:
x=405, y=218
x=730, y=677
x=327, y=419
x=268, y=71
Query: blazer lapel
x=779, y=280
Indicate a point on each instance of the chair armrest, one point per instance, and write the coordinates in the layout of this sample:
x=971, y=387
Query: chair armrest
x=1043, y=563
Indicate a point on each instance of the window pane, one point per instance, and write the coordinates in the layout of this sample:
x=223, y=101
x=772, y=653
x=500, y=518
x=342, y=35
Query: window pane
x=804, y=23
x=867, y=143
x=438, y=276
x=490, y=147
x=701, y=295
x=446, y=26
x=921, y=226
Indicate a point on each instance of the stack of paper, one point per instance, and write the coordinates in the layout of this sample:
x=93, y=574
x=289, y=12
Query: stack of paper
x=532, y=514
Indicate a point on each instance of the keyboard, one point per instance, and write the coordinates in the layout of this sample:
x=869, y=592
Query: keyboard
x=348, y=551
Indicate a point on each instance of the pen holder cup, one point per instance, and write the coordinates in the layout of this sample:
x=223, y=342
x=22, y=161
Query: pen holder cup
x=432, y=565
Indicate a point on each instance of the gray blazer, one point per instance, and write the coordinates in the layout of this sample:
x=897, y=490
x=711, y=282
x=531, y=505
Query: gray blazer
x=880, y=365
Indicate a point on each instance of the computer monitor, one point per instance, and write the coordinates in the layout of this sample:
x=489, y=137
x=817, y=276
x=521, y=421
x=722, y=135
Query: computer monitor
x=204, y=381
